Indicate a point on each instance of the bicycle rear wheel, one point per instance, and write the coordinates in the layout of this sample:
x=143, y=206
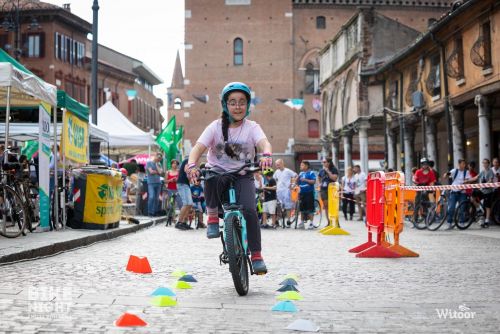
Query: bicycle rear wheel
x=436, y=216
x=238, y=265
x=465, y=215
x=318, y=214
x=12, y=213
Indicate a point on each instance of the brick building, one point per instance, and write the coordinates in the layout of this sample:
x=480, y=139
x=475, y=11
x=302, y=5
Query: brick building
x=274, y=47
x=52, y=43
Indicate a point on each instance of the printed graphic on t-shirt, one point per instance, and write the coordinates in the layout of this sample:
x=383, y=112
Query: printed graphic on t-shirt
x=242, y=152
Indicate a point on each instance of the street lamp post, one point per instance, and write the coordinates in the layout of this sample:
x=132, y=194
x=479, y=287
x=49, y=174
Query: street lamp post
x=11, y=10
x=95, y=10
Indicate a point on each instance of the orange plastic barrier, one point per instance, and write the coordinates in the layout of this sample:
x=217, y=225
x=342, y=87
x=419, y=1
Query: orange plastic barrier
x=294, y=194
x=375, y=205
x=394, y=210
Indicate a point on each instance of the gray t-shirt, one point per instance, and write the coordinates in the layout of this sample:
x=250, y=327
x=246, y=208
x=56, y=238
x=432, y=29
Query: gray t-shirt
x=486, y=177
x=153, y=178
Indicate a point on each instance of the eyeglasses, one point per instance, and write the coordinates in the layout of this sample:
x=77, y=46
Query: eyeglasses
x=233, y=103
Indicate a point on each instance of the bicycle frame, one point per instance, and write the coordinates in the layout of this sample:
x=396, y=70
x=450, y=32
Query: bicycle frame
x=235, y=211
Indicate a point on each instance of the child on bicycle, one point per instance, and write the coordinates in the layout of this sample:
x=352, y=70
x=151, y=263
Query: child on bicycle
x=231, y=141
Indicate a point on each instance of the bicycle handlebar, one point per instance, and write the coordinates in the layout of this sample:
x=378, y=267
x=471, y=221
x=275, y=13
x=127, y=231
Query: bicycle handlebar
x=251, y=167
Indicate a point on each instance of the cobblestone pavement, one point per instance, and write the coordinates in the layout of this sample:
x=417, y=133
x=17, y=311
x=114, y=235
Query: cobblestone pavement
x=85, y=290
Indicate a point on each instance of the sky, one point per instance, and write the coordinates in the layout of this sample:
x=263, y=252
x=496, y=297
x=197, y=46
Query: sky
x=149, y=30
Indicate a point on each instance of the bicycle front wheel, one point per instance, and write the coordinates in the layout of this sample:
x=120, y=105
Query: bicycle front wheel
x=238, y=265
x=12, y=213
x=420, y=214
x=435, y=216
x=465, y=214
x=318, y=214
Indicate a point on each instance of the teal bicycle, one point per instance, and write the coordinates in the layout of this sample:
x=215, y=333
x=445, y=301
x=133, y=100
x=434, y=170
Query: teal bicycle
x=235, y=250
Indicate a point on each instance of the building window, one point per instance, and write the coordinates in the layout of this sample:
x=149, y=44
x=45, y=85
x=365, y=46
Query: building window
x=320, y=22
x=311, y=80
x=481, y=50
x=177, y=103
x=238, y=51
x=455, y=62
x=33, y=45
x=433, y=82
x=69, y=50
x=313, y=128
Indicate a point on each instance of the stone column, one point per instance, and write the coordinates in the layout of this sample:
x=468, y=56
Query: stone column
x=409, y=142
x=457, y=129
x=483, y=114
x=363, y=145
x=431, y=135
x=347, y=136
x=336, y=150
x=391, y=150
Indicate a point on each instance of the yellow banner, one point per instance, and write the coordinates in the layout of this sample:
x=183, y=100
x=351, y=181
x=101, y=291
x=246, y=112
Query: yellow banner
x=75, y=135
x=103, y=199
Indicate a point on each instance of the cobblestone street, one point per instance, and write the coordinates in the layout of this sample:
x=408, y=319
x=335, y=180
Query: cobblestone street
x=89, y=288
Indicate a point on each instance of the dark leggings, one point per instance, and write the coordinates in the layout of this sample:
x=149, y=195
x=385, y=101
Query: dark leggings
x=216, y=190
x=347, y=201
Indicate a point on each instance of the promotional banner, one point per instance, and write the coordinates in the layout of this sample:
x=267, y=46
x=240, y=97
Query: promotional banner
x=103, y=199
x=30, y=148
x=75, y=136
x=44, y=143
x=166, y=137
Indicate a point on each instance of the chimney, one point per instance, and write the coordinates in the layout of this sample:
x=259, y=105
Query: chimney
x=67, y=6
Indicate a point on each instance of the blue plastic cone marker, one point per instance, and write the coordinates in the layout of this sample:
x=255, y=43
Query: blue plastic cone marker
x=188, y=278
x=285, y=306
x=162, y=291
x=289, y=295
x=163, y=301
x=287, y=288
x=183, y=285
x=178, y=273
x=289, y=281
x=303, y=325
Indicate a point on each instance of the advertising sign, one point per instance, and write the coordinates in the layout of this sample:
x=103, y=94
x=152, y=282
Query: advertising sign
x=75, y=137
x=103, y=200
x=44, y=144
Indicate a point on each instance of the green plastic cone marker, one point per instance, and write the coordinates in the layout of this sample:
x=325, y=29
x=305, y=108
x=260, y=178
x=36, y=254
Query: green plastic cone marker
x=163, y=301
x=183, y=285
x=290, y=295
x=284, y=306
x=178, y=273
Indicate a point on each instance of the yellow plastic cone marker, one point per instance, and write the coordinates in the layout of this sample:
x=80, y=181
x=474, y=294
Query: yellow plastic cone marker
x=290, y=295
x=163, y=301
x=183, y=285
x=178, y=273
x=292, y=276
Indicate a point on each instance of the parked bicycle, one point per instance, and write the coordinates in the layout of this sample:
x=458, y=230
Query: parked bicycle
x=235, y=251
x=13, y=217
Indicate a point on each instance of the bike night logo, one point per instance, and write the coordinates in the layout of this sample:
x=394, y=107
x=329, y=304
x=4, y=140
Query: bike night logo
x=463, y=312
x=50, y=302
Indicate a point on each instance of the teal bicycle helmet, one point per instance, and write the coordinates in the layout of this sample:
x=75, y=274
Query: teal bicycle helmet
x=235, y=87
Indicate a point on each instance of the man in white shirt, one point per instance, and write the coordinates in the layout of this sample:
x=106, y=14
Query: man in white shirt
x=284, y=177
x=360, y=190
x=456, y=176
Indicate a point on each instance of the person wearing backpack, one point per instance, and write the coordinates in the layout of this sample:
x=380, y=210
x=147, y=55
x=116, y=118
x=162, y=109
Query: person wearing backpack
x=456, y=176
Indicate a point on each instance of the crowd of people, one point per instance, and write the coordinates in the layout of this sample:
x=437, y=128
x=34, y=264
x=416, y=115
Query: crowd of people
x=463, y=173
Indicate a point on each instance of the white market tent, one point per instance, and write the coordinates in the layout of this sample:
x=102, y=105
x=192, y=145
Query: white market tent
x=121, y=131
x=30, y=131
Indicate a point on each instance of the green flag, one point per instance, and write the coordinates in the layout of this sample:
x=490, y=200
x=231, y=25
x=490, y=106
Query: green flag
x=166, y=138
x=179, y=134
x=30, y=148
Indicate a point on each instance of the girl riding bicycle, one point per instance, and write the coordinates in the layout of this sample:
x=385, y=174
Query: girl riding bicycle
x=231, y=140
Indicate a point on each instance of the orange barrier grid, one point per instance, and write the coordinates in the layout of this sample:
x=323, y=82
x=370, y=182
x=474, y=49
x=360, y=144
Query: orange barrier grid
x=394, y=210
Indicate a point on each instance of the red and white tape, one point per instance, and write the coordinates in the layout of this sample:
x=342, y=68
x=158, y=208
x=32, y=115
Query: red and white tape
x=454, y=187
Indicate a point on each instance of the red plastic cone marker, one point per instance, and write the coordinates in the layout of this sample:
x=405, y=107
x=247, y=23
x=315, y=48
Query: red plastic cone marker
x=129, y=320
x=139, y=265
